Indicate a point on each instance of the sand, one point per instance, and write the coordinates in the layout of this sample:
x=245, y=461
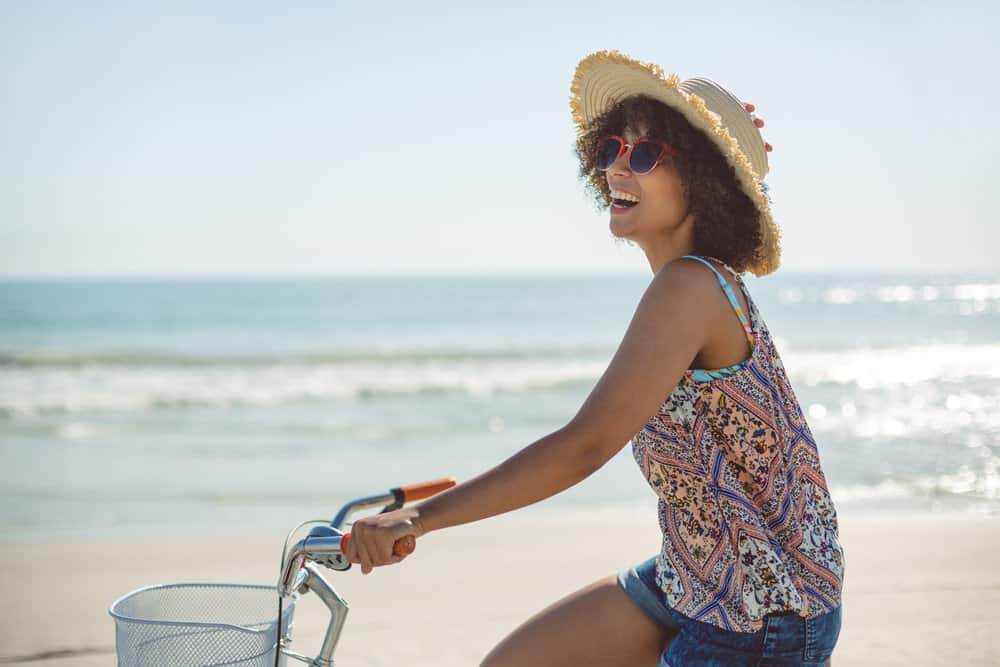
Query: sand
x=919, y=590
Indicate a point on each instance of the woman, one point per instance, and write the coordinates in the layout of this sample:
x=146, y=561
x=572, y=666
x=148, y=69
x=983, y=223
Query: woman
x=750, y=571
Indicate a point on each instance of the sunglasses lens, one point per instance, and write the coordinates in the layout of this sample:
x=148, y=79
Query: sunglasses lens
x=607, y=153
x=644, y=156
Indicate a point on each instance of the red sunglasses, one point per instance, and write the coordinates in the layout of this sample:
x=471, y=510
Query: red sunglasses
x=641, y=157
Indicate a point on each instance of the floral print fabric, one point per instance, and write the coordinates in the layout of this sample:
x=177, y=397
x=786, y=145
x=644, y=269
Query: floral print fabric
x=747, y=521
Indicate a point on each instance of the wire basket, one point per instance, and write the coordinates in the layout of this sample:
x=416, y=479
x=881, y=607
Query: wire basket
x=189, y=625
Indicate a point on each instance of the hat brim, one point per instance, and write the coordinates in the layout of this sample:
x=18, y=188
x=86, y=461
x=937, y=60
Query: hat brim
x=606, y=77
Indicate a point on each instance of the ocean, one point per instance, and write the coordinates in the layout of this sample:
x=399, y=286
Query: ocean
x=131, y=407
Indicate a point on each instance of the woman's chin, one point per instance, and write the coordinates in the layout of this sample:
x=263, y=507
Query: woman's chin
x=621, y=229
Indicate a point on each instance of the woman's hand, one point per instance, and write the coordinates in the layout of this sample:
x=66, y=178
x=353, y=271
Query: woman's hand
x=372, y=538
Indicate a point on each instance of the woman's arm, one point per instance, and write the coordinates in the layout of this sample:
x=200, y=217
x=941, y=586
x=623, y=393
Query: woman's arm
x=670, y=326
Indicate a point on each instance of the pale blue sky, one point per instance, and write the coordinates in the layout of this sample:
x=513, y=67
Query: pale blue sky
x=240, y=138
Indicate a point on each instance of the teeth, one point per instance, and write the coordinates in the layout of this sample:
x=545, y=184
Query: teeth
x=618, y=194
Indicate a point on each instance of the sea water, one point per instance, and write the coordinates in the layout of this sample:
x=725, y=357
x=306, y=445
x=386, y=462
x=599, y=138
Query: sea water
x=131, y=406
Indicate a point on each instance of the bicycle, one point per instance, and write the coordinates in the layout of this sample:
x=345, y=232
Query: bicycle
x=212, y=625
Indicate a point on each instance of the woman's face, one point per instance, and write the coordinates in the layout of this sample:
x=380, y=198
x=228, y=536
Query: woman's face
x=662, y=206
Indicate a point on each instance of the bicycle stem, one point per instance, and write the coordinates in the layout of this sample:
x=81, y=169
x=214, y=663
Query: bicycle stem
x=325, y=550
x=314, y=581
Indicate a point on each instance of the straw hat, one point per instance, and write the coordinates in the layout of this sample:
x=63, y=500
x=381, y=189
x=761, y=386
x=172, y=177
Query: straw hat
x=605, y=77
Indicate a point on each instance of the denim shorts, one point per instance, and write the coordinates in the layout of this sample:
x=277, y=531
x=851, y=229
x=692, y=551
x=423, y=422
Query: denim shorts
x=786, y=638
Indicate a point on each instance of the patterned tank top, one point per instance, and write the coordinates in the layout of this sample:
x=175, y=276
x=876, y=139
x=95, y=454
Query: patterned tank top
x=748, y=524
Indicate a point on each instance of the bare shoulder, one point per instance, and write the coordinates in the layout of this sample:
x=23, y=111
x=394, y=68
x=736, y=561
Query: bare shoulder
x=671, y=325
x=687, y=271
x=690, y=288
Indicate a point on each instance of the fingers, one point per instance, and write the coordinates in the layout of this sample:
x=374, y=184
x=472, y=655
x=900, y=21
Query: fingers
x=367, y=561
x=359, y=541
x=372, y=545
x=385, y=547
x=356, y=550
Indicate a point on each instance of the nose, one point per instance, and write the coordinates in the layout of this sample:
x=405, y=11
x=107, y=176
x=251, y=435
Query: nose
x=620, y=167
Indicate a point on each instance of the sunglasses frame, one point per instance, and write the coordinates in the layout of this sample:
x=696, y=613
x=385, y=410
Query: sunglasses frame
x=625, y=148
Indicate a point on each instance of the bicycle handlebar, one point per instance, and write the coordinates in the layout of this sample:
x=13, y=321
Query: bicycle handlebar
x=404, y=546
x=326, y=546
x=426, y=489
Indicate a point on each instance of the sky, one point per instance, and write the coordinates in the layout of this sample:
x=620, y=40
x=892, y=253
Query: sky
x=251, y=139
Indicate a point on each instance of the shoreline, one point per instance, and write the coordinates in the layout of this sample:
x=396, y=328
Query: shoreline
x=943, y=507
x=918, y=590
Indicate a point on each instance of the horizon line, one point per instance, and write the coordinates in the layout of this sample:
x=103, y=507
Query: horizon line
x=434, y=275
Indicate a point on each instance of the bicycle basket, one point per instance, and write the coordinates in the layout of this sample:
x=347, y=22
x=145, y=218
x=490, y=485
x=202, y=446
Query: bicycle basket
x=189, y=625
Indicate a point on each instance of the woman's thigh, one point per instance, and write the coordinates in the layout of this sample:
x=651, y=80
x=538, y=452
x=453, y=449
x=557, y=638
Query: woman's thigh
x=597, y=625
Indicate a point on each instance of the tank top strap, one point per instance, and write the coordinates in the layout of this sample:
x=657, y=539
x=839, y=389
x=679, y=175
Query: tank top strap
x=729, y=294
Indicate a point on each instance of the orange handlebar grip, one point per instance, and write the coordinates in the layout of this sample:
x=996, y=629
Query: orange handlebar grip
x=426, y=489
x=404, y=546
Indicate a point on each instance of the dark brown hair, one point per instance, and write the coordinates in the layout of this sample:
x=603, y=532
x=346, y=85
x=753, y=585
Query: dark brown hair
x=726, y=221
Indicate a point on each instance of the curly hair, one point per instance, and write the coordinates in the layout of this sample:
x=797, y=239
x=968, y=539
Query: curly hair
x=726, y=221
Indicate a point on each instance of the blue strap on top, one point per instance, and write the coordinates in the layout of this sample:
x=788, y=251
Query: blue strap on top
x=725, y=286
x=705, y=375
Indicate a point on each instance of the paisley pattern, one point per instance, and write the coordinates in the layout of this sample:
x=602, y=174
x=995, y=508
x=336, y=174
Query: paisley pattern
x=819, y=528
x=679, y=406
x=748, y=524
x=766, y=584
x=696, y=512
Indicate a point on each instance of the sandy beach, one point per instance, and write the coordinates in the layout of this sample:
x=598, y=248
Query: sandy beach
x=919, y=590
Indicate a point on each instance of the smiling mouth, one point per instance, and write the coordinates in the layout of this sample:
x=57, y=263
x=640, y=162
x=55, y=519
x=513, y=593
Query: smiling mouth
x=621, y=205
x=622, y=200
